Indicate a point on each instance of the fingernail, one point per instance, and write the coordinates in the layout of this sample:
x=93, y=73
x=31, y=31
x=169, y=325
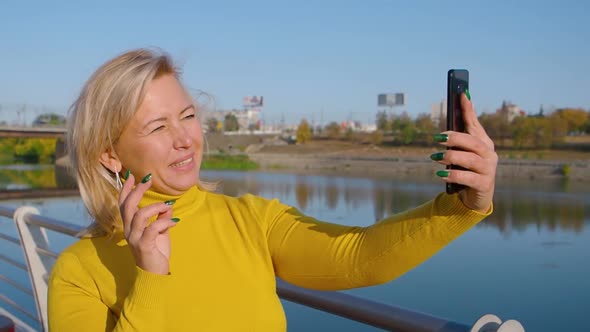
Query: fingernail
x=126, y=176
x=437, y=156
x=146, y=178
x=441, y=137
x=442, y=174
x=170, y=202
x=175, y=219
x=467, y=94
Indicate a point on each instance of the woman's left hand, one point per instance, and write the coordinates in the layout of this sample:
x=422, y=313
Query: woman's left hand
x=477, y=154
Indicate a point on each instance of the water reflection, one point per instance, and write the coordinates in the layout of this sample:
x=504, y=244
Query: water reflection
x=27, y=176
x=551, y=213
x=518, y=206
x=516, y=209
x=24, y=176
x=542, y=259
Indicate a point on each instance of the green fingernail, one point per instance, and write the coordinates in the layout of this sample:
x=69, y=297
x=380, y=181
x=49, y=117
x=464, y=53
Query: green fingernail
x=126, y=176
x=146, y=178
x=441, y=137
x=442, y=174
x=170, y=202
x=437, y=156
x=467, y=94
x=175, y=219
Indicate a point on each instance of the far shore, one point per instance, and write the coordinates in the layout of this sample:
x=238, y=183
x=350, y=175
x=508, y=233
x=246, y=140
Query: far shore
x=335, y=157
x=346, y=158
x=407, y=166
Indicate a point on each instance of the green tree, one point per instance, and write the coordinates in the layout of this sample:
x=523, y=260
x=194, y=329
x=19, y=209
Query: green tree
x=409, y=133
x=349, y=134
x=383, y=122
x=212, y=125
x=400, y=122
x=404, y=128
x=425, y=124
x=303, y=132
x=425, y=127
x=230, y=123
x=333, y=129
x=35, y=149
x=49, y=119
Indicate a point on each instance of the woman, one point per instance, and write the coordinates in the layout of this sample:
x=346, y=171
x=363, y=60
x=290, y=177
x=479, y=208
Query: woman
x=166, y=254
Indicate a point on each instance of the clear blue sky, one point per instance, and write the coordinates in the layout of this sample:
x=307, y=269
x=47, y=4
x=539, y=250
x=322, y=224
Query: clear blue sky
x=307, y=56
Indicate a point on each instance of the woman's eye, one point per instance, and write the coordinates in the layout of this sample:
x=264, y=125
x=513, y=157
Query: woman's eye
x=157, y=129
x=190, y=116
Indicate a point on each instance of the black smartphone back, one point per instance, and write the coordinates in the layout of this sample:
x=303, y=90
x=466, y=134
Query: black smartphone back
x=457, y=83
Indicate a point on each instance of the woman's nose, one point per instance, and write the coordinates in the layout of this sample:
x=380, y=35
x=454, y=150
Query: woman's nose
x=181, y=138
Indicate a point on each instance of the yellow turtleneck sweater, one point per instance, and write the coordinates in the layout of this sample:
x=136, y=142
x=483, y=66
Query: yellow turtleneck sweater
x=226, y=252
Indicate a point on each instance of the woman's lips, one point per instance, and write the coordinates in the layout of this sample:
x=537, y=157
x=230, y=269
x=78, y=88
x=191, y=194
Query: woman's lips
x=182, y=163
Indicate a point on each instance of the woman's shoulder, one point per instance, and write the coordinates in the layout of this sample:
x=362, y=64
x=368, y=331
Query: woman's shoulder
x=87, y=249
x=247, y=199
x=79, y=248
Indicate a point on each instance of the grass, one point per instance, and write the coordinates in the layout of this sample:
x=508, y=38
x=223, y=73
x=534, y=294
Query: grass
x=277, y=166
x=228, y=162
x=544, y=154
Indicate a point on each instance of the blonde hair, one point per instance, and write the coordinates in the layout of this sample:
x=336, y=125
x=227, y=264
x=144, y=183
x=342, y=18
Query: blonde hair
x=107, y=102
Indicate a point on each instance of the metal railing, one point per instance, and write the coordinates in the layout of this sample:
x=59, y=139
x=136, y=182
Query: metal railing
x=39, y=260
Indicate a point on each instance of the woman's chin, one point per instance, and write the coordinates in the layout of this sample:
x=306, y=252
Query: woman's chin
x=176, y=188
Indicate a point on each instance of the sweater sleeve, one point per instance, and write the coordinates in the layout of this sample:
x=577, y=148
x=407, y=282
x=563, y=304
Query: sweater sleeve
x=74, y=301
x=314, y=254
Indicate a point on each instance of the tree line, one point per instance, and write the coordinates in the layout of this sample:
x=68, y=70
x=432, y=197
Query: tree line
x=506, y=129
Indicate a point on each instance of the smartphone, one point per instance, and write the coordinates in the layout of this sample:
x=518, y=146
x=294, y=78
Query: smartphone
x=457, y=83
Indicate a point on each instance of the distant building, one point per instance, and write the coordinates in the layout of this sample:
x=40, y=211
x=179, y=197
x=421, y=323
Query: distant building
x=510, y=111
x=247, y=118
x=358, y=126
x=438, y=111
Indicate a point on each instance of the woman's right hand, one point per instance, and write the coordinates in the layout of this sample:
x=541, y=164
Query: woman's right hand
x=150, y=244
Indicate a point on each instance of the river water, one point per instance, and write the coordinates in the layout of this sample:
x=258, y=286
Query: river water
x=529, y=261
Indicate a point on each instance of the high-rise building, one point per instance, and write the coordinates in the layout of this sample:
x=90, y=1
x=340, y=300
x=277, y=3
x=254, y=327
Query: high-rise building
x=438, y=111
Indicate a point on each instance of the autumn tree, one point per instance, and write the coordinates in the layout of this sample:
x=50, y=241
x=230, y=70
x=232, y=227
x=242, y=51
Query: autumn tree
x=377, y=137
x=523, y=132
x=497, y=127
x=575, y=118
x=303, y=132
x=537, y=132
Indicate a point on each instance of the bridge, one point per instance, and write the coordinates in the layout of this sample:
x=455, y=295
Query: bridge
x=35, y=132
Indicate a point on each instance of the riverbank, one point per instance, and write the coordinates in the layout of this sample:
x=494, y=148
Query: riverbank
x=358, y=160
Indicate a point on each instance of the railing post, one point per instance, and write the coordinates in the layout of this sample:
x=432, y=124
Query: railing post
x=493, y=323
x=33, y=237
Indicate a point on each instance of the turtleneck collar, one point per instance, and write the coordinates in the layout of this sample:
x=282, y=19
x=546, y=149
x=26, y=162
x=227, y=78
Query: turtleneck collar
x=184, y=202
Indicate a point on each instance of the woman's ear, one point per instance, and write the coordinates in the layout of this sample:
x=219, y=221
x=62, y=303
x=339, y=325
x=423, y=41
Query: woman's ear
x=110, y=160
